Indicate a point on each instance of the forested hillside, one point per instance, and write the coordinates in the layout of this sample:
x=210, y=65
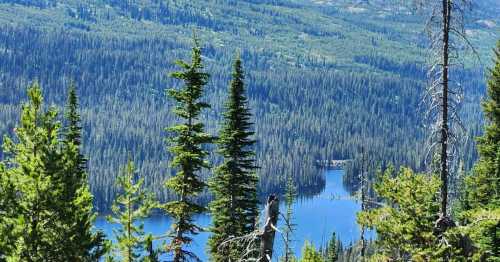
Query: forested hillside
x=323, y=77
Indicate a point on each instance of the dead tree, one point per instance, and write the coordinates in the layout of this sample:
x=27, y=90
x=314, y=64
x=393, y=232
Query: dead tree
x=258, y=245
x=444, y=96
x=271, y=220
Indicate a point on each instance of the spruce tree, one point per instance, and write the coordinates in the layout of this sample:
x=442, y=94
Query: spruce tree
x=188, y=154
x=32, y=171
x=234, y=185
x=129, y=209
x=332, y=250
x=82, y=243
x=482, y=201
x=486, y=179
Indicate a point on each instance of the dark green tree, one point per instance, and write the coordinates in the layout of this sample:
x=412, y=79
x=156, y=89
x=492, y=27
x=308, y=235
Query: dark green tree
x=485, y=184
x=332, y=249
x=7, y=211
x=234, y=185
x=152, y=255
x=32, y=170
x=129, y=208
x=482, y=201
x=81, y=242
x=188, y=154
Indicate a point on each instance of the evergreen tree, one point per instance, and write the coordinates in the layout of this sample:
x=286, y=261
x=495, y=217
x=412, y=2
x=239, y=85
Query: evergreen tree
x=32, y=171
x=310, y=254
x=288, y=229
x=331, y=252
x=128, y=210
x=80, y=240
x=485, y=184
x=234, y=208
x=7, y=212
x=189, y=156
x=152, y=255
x=482, y=201
x=405, y=223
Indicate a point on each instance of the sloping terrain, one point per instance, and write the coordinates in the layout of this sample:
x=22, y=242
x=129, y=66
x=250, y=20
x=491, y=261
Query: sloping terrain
x=324, y=77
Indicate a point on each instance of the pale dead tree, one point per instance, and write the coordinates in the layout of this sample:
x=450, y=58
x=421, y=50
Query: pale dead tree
x=258, y=245
x=444, y=96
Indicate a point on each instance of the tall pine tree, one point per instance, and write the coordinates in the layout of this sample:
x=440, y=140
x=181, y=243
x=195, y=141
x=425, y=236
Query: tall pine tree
x=81, y=241
x=482, y=188
x=234, y=208
x=189, y=156
x=486, y=179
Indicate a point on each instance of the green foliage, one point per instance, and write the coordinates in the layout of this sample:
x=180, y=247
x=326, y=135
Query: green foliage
x=129, y=209
x=189, y=156
x=481, y=207
x=331, y=253
x=327, y=79
x=310, y=254
x=7, y=211
x=80, y=240
x=32, y=172
x=234, y=185
x=405, y=223
x=485, y=183
x=152, y=255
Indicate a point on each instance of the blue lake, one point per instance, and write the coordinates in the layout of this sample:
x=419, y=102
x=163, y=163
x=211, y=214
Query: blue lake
x=316, y=218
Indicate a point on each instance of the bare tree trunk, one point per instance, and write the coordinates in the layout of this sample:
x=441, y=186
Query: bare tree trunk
x=446, y=12
x=267, y=238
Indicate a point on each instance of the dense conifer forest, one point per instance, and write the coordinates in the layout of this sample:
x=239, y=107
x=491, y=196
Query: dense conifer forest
x=213, y=106
x=362, y=75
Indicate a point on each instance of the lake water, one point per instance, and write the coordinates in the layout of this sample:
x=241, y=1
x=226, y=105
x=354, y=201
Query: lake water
x=316, y=218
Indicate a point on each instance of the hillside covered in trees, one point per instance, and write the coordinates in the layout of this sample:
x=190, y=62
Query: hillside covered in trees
x=324, y=78
x=188, y=108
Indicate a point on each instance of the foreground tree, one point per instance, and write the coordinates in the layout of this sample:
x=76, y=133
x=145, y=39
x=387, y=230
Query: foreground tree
x=81, y=241
x=129, y=209
x=448, y=37
x=189, y=156
x=234, y=208
x=482, y=201
x=405, y=222
x=32, y=171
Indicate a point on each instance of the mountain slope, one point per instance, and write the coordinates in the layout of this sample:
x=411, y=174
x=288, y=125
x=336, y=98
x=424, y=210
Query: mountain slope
x=324, y=77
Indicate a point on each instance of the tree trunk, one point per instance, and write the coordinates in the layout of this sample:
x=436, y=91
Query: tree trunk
x=267, y=238
x=444, y=124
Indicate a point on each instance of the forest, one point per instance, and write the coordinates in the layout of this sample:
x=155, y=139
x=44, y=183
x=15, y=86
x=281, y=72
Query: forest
x=119, y=61
x=134, y=108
